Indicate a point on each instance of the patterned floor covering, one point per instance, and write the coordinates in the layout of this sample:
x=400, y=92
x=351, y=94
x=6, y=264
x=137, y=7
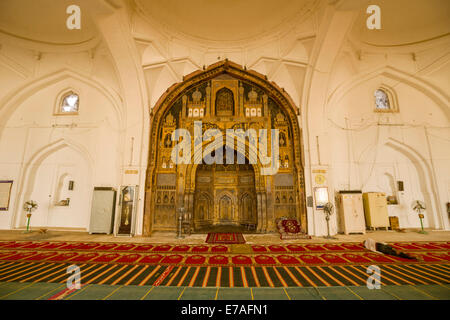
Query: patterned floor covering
x=306, y=265
x=56, y=291
x=225, y=237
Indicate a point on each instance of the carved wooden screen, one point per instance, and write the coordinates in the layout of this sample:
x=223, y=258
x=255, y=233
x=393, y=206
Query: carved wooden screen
x=224, y=102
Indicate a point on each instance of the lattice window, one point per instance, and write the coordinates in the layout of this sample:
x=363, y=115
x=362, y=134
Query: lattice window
x=382, y=100
x=69, y=103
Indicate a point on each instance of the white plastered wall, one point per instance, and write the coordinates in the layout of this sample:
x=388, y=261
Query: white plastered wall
x=371, y=151
x=330, y=80
x=38, y=147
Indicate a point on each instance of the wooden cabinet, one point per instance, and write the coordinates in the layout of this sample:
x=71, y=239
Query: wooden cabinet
x=351, y=212
x=375, y=210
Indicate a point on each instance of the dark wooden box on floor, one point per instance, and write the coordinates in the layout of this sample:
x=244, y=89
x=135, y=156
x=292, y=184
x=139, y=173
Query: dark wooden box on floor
x=393, y=222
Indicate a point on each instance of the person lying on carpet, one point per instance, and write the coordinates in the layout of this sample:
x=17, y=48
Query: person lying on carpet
x=382, y=247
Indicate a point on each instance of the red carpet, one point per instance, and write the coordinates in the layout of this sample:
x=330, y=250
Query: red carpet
x=225, y=237
x=218, y=265
x=421, y=247
x=219, y=254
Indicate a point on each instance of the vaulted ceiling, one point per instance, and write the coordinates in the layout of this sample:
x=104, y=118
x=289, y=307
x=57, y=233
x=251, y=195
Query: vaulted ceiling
x=171, y=38
x=43, y=21
x=229, y=23
x=404, y=22
x=225, y=21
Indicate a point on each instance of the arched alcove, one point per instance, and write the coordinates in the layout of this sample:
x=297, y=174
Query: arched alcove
x=426, y=183
x=42, y=179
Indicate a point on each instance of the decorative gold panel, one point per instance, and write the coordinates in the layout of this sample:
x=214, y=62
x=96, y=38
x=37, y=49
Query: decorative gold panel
x=224, y=96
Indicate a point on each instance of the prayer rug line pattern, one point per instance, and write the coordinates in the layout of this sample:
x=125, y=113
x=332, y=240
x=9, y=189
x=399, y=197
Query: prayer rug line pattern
x=226, y=276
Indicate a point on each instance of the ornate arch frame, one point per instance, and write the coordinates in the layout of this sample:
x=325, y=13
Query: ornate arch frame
x=191, y=168
x=176, y=91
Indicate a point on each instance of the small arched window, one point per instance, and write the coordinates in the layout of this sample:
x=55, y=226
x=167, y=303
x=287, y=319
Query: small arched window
x=382, y=100
x=69, y=103
x=224, y=102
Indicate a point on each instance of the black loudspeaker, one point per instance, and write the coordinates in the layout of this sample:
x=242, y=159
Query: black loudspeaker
x=400, y=186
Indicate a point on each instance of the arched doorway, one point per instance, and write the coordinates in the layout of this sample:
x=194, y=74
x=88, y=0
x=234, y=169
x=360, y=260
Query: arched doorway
x=224, y=197
x=208, y=105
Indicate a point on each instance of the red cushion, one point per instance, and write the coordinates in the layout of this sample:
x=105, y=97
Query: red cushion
x=290, y=226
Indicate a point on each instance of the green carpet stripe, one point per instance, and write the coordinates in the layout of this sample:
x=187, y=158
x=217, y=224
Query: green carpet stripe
x=337, y=275
x=330, y=274
x=169, y=276
x=225, y=278
x=178, y=277
x=414, y=278
x=143, y=275
x=23, y=269
x=428, y=270
x=15, y=268
x=7, y=265
x=273, y=276
x=418, y=275
x=41, y=273
x=325, y=276
x=154, y=277
x=176, y=270
x=130, y=275
x=399, y=277
x=17, y=277
x=439, y=268
x=286, y=277
x=117, y=275
x=97, y=273
x=352, y=275
x=299, y=277
x=200, y=277
x=87, y=270
x=386, y=279
x=261, y=277
x=249, y=275
x=195, y=275
x=61, y=276
x=49, y=277
x=444, y=266
x=312, y=277
x=237, y=277
x=212, y=277
x=189, y=276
